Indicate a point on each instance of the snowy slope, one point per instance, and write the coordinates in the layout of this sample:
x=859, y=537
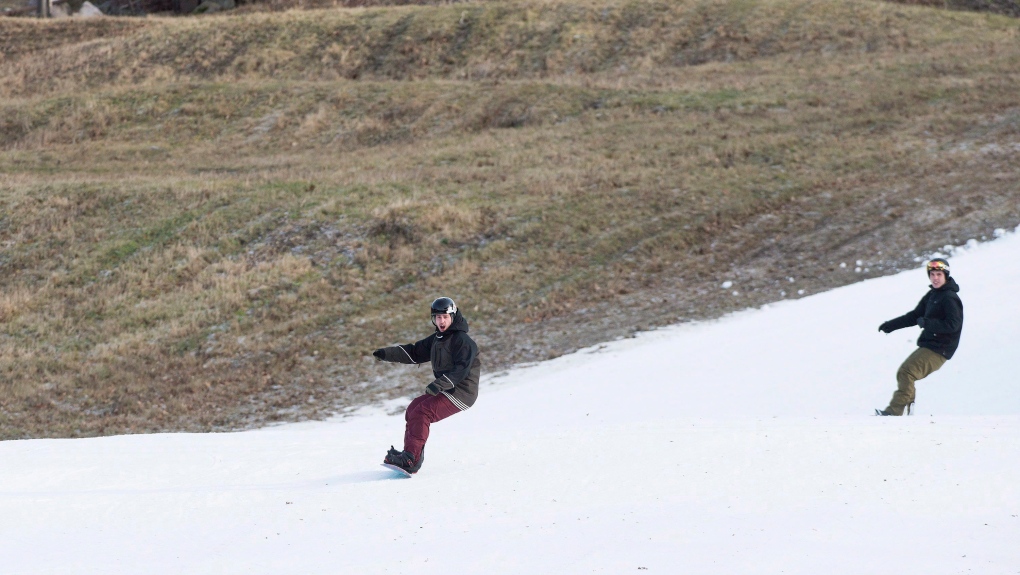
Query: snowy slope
x=743, y=445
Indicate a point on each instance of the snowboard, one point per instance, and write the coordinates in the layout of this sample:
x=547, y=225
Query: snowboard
x=396, y=469
x=909, y=410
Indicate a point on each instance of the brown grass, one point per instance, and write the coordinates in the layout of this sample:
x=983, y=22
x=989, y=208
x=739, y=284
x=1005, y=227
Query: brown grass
x=20, y=37
x=492, y=40
x=189, y=241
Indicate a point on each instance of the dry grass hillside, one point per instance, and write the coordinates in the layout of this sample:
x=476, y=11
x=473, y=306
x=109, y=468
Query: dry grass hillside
x=209, y=223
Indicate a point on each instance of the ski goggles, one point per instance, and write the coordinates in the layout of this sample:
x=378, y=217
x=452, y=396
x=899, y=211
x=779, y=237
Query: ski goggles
x=937, y=266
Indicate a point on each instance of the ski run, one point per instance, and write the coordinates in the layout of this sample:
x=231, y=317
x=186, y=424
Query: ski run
x=739, y=446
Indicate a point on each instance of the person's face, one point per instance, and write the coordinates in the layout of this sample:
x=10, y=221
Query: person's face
x=937, y=278
x=443, y=320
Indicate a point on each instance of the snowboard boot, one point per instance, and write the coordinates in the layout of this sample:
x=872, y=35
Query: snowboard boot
x=404, y=460
x=421, y=459
x=884, y=412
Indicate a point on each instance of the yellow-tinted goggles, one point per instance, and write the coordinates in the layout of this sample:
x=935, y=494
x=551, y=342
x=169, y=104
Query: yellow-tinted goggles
x=938, y=267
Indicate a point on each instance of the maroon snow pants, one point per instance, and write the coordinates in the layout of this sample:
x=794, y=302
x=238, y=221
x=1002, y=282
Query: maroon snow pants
x=422, y=412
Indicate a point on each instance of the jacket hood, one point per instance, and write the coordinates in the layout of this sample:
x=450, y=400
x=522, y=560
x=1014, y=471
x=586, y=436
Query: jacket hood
x=459, y=324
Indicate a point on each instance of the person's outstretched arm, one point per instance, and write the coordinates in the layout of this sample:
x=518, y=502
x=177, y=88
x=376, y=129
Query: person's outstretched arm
x=906, y=320
x=412, y=353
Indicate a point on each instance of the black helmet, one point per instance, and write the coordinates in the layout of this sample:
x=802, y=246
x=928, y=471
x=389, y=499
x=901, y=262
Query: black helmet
x=938, y=265
x=443, y=305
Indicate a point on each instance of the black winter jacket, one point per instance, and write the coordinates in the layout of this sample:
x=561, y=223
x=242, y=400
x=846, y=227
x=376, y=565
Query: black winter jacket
x=454, y=357
x=942, y=311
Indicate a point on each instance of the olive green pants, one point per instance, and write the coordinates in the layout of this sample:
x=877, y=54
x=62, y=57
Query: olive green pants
x=918, y=365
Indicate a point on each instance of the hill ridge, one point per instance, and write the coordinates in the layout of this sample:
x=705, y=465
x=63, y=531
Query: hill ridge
x=493, y=40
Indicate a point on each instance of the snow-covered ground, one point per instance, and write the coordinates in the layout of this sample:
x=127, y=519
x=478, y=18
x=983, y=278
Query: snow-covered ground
x=744, y=445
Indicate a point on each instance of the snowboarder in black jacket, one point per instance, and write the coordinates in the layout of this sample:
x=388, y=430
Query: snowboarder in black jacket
x=456, y=369
x=940, y=317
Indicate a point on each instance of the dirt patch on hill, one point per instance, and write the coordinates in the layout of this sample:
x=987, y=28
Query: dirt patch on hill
x=1004, y=7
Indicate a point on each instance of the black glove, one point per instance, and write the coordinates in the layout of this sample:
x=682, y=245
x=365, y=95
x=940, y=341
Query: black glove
x=885, y=328
x=920, y=322
x=379, y=354
x=433, y=388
